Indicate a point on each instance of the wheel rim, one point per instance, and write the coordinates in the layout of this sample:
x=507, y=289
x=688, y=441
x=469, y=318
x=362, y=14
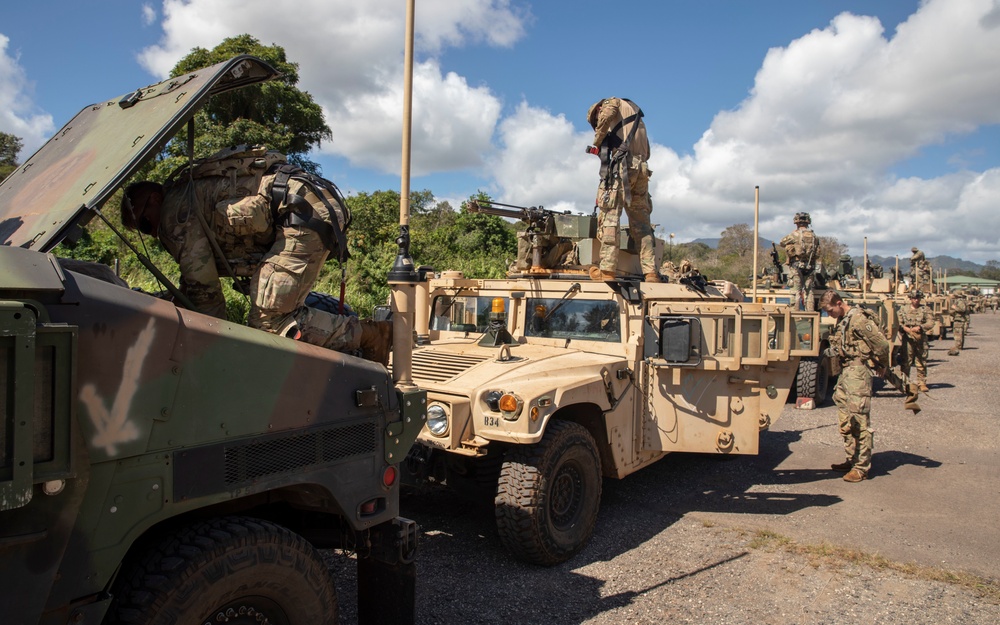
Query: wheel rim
x=248, y=611
x=566, y=496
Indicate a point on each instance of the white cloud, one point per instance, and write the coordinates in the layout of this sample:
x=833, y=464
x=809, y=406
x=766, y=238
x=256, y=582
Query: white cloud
x=18, y=114
x=833, y=111
x=829, y=116
x=148, y=15
x=350, y=59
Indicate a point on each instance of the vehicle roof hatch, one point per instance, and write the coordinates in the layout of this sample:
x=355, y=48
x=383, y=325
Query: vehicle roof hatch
x=83, y=164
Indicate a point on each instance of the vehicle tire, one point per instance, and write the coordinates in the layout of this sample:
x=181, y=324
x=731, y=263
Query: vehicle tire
x=328, y=303
x=813, y=379
x=235, y=570
x=548, y=495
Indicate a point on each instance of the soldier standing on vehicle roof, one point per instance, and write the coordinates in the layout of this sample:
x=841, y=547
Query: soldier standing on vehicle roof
x=920, y=270
x=916, y=320
x=282, y=251
x=621, y=142
x=802, y=249
x=859, y=344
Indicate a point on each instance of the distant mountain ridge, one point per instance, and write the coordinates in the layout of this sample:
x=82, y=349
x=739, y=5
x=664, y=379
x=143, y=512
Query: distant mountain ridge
x=888, y=263
x=937, y=262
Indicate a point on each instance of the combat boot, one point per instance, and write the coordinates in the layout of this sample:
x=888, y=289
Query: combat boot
x=843, y=467
x=603, y=276
x=923, y=387
x=653, y=277
x=953, y=352
x=376, y=340
x=855, y=476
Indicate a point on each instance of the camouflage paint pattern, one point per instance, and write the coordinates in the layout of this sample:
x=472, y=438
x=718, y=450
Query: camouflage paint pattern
x=177, y=411
x=123, y=412
x=96, y=152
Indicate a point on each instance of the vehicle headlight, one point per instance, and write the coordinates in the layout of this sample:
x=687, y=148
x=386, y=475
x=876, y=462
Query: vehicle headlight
x=437, y=420
x=510, y=406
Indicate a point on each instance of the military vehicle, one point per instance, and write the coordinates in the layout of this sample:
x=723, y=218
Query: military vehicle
x=543, y=383
x=161, y=466
x=814, y=377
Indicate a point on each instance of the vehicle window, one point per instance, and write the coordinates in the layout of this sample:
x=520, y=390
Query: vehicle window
x=463, y=313
x=588, y=320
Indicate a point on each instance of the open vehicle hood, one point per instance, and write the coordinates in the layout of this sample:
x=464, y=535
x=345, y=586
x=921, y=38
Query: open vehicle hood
x=65, y=182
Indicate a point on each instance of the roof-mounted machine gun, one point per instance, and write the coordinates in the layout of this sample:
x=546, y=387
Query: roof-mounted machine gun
x=541, y=246
x=779, y=270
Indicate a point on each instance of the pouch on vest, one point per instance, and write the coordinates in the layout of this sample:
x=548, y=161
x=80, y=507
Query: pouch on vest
x=246, y=216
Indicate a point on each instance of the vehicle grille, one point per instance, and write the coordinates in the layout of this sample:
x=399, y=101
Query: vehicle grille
x=248, y=462
x=433, y=366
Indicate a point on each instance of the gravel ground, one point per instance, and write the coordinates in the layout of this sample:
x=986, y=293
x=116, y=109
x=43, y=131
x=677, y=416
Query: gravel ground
x=772, y=539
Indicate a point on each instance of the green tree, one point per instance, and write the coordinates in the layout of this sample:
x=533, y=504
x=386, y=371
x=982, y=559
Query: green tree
x=991, y=271
x=275, y=113
x=10, y=147
x=830, y=251
x=737, y=240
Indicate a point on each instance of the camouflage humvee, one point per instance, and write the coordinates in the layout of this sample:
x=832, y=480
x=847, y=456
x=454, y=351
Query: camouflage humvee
x=161, y=466
x=539, y=387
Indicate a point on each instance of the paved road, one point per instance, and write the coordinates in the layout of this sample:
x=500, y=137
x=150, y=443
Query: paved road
x=681, y=542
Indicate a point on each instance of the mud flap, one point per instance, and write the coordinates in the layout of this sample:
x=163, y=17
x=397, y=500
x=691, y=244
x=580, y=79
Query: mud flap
x=387, y=577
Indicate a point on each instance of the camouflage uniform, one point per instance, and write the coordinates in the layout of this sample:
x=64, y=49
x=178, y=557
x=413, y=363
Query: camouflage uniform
x=802, y=248
x=858, y=340
x=920, y=271
x=915, y=349
x=960, y=322
x=283, y=260
x=625, y=184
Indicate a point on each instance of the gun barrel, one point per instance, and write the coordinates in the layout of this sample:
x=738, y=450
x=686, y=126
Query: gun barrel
x=494, y=208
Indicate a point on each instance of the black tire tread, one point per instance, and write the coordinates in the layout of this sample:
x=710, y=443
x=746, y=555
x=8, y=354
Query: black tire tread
x=519, y=507
x=813, y=379
x=141, y=593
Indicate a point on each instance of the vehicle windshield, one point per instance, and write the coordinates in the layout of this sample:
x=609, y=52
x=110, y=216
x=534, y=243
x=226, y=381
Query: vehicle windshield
x=463, y=313
x=589, y=320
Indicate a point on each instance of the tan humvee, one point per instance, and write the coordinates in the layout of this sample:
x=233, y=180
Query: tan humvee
x=539, y=387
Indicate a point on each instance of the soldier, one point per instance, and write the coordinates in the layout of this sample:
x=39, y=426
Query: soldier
x=620, y=140
x=920, y=270
x=859, y=345
x=802, y=248
x=960, y=320
x=916, y=320
x=281, y=252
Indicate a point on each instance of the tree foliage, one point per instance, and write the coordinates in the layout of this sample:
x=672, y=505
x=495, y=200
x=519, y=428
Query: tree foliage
x=10, y=147
x=830, y=251
x=991, y=271
x=275, y=113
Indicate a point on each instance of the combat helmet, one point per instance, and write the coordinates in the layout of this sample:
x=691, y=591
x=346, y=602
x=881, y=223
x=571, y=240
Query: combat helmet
x=914, y=249
x=918, y=294
x=802, y=218
x=592, y=113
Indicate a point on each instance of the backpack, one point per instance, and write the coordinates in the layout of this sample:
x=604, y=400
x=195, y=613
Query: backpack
x=255, y=169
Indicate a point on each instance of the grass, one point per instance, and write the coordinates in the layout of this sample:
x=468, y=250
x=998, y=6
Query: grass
x=832, y=555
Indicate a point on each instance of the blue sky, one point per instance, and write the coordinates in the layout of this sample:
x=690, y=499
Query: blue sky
x=879, y=117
